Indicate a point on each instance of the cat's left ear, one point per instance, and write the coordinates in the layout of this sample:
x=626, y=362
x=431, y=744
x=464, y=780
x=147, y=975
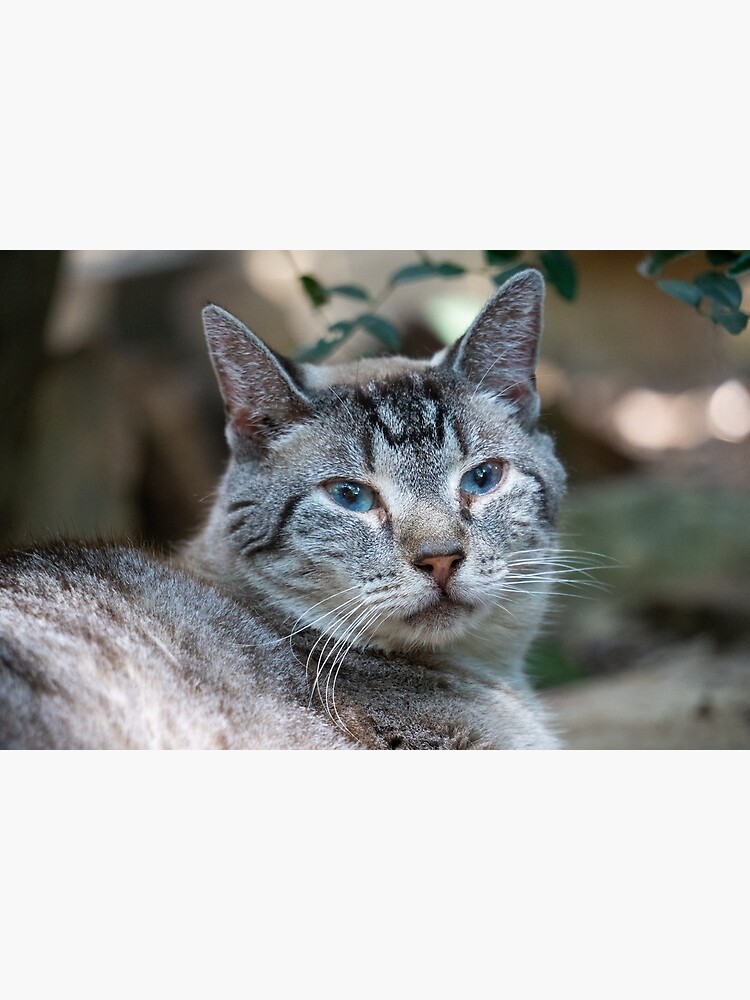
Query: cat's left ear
x=499, y=351
x=259, y=387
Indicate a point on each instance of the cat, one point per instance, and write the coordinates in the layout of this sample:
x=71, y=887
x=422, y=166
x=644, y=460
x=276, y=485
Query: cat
x=371, y=574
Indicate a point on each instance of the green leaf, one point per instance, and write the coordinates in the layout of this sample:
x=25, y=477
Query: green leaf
x=719, y=257
x=685, y=291
x=560, y=271
x=427, y=269
x=349, y=292
x=493, y=257
x=741, y=265
x=344, y=327
x=413, y=272
x=721, y=289
x=449, y=270
x=385, y=332
x=315, y=291
x=502, y=276
x=337, y=334
x=733, y=320
x=654, y=263
x=317, y=352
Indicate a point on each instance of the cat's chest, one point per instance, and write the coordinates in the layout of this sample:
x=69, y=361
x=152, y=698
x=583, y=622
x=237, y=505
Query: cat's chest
x=394, y=705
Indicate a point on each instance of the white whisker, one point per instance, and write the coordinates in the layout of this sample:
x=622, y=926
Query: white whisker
x=375, y=616
x=328, y=637
x=330, y=597
x=322, y=662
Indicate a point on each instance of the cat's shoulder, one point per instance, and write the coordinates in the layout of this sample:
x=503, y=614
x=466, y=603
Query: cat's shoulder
x=70, y=565
x=114, y=586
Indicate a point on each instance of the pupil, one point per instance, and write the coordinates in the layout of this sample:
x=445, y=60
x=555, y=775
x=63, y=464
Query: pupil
x=350, y=492
x=481, y=475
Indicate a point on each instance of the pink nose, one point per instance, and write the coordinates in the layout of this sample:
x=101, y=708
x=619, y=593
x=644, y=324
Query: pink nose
x=441, y=565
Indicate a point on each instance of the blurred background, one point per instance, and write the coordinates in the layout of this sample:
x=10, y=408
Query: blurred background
x=111, y=426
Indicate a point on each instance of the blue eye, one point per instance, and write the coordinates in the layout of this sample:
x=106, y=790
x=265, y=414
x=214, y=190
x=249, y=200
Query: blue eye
x=482, y=477
x=352, y=496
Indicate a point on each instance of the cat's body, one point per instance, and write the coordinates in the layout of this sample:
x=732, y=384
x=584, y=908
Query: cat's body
x=372, y=572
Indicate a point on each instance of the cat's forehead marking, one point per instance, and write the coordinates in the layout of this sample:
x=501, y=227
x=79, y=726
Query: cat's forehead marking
x=406, y=410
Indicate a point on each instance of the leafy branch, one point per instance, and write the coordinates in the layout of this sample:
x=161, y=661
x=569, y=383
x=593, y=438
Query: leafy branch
x=715, y=294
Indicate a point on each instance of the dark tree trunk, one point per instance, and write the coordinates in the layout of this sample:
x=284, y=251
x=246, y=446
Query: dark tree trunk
x=27, y=285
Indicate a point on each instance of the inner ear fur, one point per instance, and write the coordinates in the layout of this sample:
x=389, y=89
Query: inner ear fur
x=259, y=387
x=500, y=349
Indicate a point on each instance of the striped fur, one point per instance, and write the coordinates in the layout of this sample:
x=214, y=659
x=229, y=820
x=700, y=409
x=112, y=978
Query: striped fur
x=291, y=621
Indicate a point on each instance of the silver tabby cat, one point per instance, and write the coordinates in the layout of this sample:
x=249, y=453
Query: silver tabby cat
x=371, y=574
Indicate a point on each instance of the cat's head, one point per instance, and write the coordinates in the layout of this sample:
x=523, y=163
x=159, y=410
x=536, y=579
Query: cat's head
x=394, y=501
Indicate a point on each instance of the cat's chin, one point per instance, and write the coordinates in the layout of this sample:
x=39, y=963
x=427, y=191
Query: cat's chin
x=438, y=625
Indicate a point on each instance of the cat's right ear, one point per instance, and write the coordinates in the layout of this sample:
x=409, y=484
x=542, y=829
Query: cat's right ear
x=258, y=386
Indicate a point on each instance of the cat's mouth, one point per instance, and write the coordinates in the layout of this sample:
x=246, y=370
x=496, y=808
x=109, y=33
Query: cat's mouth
x=438, y=620
x=440, y=605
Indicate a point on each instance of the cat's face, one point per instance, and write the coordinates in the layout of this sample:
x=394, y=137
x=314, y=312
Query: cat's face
x=400, y=503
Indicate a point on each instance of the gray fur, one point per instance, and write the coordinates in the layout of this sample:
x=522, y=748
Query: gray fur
x=290, y=621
